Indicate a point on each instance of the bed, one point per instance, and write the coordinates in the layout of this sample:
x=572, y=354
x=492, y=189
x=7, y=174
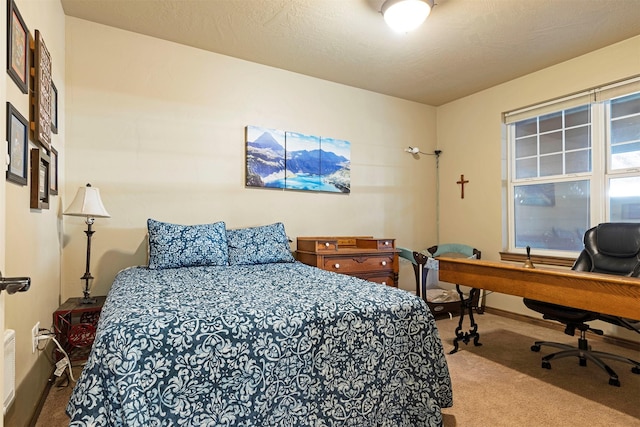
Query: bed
x=247, y=343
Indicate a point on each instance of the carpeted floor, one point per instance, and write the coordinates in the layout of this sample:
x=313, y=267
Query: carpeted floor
x=501, y=383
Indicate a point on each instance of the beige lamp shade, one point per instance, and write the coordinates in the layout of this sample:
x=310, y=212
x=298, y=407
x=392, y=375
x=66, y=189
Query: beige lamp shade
x=87, y=203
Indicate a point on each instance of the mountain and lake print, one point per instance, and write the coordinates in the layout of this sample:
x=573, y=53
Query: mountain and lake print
x=295, y=161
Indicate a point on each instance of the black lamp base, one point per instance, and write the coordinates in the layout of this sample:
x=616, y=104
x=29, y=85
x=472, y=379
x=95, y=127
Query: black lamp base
x=86, y=298
x=87, y=274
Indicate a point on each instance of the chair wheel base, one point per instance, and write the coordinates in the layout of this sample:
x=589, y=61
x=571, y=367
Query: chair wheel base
x=614, y=382
x=535, y=348
x=635, y=370
x=546, y=365
x=583, y=362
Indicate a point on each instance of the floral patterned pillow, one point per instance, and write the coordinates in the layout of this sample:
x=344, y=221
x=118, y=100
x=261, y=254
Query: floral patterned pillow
x=173, y=245
x=259, y=245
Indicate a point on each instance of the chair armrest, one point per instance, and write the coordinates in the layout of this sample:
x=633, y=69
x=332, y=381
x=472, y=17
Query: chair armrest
x=420, y=258
x=406, y=254
x=634, y=325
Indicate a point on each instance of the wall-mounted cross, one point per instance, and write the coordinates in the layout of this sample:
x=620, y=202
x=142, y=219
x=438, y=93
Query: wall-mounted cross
x=462, y=182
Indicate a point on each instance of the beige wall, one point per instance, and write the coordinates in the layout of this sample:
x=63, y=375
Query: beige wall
x=159, y=128
x=470, y=135
x=3, y=131
x=33, y=236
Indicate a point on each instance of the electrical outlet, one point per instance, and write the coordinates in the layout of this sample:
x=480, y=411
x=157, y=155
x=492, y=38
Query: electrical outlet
x=35, y=331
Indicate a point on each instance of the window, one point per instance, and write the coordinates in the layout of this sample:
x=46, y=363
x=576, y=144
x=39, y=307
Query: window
x=571, y=165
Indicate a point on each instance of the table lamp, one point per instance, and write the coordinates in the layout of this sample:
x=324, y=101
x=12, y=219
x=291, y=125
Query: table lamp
x=88, y=204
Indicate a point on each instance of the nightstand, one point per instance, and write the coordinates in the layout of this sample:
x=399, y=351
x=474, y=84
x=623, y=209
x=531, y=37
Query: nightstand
x=75, y=325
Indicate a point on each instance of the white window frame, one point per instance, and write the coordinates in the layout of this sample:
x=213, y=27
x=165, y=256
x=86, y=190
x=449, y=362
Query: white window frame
x=601, y=172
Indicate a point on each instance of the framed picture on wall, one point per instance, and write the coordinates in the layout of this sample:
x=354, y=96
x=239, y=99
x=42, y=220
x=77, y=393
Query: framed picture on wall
x=40, y=173
x=53, y=172
x=41, y=102
x=17, y=47
x=295, y=161
x=18, y=142
x=54, y=108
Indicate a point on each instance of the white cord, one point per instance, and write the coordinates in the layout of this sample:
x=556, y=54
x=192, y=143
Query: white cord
x=66, y=361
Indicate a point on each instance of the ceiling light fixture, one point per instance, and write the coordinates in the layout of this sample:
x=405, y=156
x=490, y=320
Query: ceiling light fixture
x=406, y=15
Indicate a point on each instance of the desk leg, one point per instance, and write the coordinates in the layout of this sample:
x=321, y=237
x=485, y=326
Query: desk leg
x=466, y=305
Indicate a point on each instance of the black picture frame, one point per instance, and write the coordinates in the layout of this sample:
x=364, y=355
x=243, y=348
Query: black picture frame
x=54, y=108
x=17, y=47
x=40, y=176
x=18, y=143
x=53, y=172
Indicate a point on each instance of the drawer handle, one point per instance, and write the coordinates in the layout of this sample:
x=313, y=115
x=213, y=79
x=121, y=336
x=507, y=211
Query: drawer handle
x=384, y=283
x=384, y=263
x=326, y=244
x=386, y=243
x=337, y=266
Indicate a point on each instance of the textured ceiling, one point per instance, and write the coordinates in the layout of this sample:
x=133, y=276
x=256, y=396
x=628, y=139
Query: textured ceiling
x=464, y=46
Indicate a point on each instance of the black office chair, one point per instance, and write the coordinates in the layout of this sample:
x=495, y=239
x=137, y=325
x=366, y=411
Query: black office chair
x=610, y=248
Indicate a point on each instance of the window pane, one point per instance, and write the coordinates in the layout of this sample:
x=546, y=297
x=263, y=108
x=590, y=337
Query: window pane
x=627, y=129
x=551, y=142
x=577, y=116
x=578, y=138
x=526, y=147
x=551, y=165
x=527, y=127
x=625, y=156
x=526, y=168
x=551, y=122
x=624, y=199
x=625, y=132
x=578, y=161
x=625, y=106
x=551, y=216
x=541, y=151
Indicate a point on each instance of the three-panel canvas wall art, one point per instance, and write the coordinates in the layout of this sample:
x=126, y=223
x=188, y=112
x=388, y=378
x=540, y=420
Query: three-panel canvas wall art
x=295, y=161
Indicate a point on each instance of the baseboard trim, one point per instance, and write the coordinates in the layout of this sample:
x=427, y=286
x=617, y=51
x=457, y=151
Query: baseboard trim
x=43, y=399
x=31, y=391
x=621, y=342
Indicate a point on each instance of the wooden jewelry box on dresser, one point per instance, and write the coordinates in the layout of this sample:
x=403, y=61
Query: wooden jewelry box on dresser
x=365, y=257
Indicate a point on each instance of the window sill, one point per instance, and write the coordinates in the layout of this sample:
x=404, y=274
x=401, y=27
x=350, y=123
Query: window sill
x=538, y=259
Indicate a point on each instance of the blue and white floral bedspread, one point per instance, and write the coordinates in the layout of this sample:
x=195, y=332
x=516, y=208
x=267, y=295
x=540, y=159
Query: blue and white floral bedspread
x=261, y=345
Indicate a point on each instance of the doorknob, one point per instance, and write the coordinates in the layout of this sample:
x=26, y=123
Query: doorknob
x=14, y=284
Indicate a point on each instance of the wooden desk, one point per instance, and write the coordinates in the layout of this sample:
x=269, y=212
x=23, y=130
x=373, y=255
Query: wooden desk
x=602, y=293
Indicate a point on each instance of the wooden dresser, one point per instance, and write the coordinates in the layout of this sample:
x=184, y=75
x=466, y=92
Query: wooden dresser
x=361, y=256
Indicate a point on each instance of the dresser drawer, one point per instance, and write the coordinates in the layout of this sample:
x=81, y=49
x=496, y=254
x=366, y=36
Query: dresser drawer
x=381, y=278
x=318, y=245
x=370, y=263
x=378, y=244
